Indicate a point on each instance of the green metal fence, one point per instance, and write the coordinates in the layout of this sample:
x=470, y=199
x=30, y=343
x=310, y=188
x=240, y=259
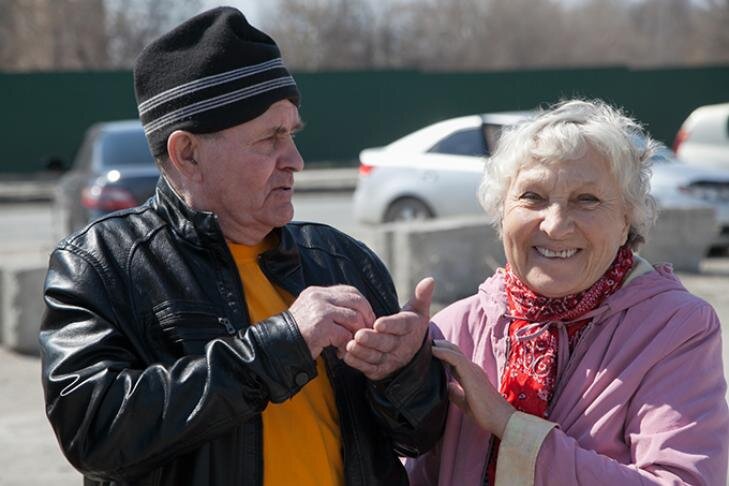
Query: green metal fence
x=45, y=114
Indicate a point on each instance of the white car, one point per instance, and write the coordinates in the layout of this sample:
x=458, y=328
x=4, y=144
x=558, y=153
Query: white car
x=704, y=137
x=435, y=172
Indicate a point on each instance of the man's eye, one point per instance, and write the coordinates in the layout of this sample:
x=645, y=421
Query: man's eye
x=270, y=140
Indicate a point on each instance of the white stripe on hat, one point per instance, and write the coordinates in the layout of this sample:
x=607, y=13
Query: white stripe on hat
x=207, y=82
x=216, y=102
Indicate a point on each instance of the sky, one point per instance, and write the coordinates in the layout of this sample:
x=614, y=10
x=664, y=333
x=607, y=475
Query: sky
x=250, y=8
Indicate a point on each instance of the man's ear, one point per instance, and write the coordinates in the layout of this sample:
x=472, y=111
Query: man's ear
x=181, y=146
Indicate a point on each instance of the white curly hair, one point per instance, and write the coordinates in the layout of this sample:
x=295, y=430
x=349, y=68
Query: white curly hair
x=565, y=131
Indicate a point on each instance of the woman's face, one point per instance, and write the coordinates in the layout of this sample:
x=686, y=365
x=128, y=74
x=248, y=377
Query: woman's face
x=564, y=222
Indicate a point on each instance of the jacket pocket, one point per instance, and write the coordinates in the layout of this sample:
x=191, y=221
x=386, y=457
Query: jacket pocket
x=185, y=327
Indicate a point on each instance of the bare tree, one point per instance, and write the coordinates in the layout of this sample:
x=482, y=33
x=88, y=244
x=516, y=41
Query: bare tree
x=499, y=34
x=444, y=35
x=372, y=34
x=323, y=34
x=7, y=16
x=524, y=33
x=666, y=32
x=52, y=34
x=598, y=33
x=713, y=20
x=132, y=24
x=83, y=34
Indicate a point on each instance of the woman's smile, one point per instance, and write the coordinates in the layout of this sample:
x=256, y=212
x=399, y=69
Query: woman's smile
x=559, y=254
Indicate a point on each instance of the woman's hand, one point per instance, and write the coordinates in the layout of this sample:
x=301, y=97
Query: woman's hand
x=473, y=393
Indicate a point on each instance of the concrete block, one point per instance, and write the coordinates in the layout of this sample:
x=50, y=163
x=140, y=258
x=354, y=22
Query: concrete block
x=461, y=252
x=21, y=305
x=681, y=236
x=458, y=252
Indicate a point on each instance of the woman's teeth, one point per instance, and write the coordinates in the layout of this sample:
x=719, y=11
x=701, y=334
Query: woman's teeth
x=555, y=254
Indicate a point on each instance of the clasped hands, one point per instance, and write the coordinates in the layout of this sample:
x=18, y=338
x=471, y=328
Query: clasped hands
x=341, y=316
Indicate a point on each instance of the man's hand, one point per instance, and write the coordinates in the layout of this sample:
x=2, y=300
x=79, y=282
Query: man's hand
x=330, y=316
x=395, y=339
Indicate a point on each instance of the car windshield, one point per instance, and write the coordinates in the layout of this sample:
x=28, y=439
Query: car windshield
x=127, y=147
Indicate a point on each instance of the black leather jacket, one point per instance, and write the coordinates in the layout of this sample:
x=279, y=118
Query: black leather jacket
x=153, y=374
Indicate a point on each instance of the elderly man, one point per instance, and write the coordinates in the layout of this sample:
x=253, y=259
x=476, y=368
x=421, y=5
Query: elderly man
x=203, y=339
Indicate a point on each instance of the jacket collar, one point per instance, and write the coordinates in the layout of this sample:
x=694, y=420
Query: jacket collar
x=282, y=264
x=190, y=224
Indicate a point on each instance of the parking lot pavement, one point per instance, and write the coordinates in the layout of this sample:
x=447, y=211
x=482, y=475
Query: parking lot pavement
x=30, y=454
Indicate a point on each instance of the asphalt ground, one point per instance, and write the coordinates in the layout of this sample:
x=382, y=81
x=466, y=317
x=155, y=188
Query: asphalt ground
x=29, y=454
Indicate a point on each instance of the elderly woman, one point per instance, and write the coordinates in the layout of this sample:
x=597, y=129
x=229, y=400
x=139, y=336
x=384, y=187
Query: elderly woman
x=579, y=362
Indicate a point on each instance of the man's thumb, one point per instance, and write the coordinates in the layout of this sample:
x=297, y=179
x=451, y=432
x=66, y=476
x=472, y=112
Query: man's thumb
x=420, y=303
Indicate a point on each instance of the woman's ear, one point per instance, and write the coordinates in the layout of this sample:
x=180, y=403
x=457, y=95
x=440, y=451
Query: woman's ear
x=181, y=147
x=626, y=229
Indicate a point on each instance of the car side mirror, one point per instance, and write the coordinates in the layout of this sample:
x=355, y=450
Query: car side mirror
x=55, y=164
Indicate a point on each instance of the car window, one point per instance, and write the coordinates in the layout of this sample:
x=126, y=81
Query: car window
x=492, y=133
x=85, y=152
x=127, y=147
x=463, y=142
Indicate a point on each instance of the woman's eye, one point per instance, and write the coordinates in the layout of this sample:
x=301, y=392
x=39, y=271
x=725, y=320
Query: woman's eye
x=531, y=196
x=587, y=198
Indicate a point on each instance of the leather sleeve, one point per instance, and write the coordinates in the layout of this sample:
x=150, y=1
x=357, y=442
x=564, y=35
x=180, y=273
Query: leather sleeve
x=412, y=405
x=117, y=415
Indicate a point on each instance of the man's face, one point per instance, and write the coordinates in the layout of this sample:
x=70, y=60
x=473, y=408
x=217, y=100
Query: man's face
x=247, y=174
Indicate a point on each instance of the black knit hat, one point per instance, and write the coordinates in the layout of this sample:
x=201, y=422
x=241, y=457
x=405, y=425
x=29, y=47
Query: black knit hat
x=212, y=72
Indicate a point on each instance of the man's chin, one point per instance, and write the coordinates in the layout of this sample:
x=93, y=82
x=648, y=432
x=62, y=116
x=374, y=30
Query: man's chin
x=284, y=216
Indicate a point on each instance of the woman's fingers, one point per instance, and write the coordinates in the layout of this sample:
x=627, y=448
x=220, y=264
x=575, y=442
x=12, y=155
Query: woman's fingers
x=449, y=353
x=472, y=391
x=444, y=344
x=457, y=395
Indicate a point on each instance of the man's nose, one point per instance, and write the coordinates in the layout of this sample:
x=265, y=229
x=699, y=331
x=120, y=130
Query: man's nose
x=290, y=158
x=556, y=221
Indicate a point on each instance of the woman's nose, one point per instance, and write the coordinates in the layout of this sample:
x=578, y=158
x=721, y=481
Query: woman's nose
x=556, y=221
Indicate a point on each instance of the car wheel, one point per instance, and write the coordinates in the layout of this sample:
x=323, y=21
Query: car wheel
x=407, y=209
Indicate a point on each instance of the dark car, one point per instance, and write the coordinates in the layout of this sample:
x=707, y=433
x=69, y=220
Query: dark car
x=113, y=170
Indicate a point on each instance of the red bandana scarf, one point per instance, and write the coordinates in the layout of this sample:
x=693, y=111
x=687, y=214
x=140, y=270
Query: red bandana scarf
x=530, y=373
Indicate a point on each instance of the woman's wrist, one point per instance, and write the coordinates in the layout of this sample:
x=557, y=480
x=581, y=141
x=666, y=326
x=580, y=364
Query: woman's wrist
x=502, y=419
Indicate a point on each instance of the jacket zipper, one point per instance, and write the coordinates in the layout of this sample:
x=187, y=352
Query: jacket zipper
x=228, y=326
x=562, y=380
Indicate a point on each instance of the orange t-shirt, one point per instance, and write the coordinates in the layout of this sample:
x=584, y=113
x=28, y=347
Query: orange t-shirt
x=301, y=437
